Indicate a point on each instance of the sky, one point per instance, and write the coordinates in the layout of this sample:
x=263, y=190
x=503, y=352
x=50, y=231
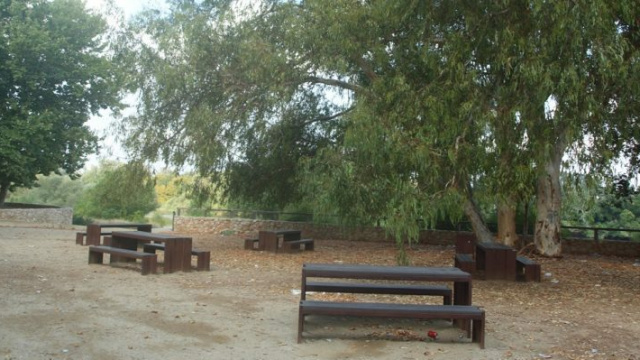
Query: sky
x=104, y=124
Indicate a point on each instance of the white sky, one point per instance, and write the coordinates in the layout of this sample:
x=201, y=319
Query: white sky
x=104, y=125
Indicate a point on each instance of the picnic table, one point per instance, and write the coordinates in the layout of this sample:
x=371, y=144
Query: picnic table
x=94, y=231
x=269, y=240
x=461, y=312
x=177, y=249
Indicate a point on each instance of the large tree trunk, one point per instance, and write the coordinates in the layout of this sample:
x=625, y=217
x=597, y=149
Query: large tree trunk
x=549, y=202
x=479, y=227
x=507, y=223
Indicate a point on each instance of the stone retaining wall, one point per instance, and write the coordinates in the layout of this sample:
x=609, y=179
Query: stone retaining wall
x=249, y=228
x=45, y=217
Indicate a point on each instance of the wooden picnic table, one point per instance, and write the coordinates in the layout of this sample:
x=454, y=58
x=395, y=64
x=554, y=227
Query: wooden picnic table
x=94, y=230
x=462, y=312
x=269, y=240
x=177, y=249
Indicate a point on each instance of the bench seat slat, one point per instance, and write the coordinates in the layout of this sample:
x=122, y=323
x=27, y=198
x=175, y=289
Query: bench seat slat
x=391, y=310
x=465, y=262
x=391, y=289
x=149, y=261
x=294, y=245
x=203, y=256
x=527, y=269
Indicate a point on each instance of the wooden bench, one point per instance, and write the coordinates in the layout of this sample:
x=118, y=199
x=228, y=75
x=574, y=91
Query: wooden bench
x=251, y=244
x=294, y=245
x=391, y=289
x=527, y=269
x=389, y=310
x=203, y=256
x=82, y=234
x=465, y=262
x=149, y=261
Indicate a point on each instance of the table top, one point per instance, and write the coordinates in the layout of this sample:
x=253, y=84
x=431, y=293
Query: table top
x=355, y=271
x=143, y=235
x=123, y=225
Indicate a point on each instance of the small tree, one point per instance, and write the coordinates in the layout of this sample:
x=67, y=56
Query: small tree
x=120, y=192
x=54, y=74
x=57, y=190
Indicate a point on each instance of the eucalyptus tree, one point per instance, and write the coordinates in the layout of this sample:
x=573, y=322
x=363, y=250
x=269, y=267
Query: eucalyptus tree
x=581, y=56
x=55, y=72
x=443, y=102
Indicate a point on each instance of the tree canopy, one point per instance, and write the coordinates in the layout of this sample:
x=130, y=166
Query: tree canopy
x=55, y=72
x=391, y=112
x=119, y=191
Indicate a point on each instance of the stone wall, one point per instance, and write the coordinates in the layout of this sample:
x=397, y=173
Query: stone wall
x=249, y=228
x=45, y=217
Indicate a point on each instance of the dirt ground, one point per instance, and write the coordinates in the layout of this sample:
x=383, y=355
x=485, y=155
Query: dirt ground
x=56, y=306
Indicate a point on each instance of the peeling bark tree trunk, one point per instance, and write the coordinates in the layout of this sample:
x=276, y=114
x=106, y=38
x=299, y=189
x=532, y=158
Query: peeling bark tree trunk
x=507, y=223
x=549, y=201
x=479, y=228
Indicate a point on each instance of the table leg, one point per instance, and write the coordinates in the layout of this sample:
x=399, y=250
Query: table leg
x=268, y=240
x=510, y=265
x=93, y=234
x=177, y=255
x=462, y=296
x=480, y=259
x=494, y=264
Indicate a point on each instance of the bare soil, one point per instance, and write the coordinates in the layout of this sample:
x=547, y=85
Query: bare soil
x=56, y=306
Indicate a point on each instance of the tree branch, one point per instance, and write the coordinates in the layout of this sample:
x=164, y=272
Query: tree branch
x=333, y=82
x=328, y=118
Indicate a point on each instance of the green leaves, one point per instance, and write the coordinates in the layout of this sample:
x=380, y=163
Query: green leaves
x=120, y=192
x=54, y=75
x=384, y=112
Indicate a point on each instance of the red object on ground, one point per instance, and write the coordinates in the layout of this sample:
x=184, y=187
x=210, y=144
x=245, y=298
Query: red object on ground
x=432, y=334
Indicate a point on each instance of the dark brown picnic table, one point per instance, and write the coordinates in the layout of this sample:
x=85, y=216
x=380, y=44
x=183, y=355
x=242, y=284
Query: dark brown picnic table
x=177, y=249
x=462, y=311
x=269, y=240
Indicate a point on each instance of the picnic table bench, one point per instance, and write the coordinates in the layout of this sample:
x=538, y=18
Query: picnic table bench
x=294, y=245
x=203, y=257
x=391, y=310
x=527, y=269
x=149, y=261
x=461, y=312
x=252, y=244
x=465, y=262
